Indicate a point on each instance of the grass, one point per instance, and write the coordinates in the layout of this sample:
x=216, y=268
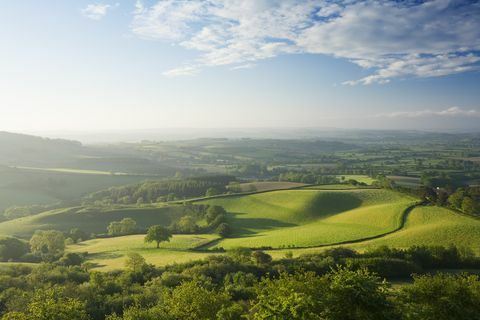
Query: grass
x=29, y=186
x=359, y=177
x=310, y=217
x=334, y=187
x=70, y=170
x=109, y=254
x=95, y=220
x=431, y=226
x=268, y=185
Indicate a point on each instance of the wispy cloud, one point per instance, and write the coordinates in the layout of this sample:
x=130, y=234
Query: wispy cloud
x=97, y=11
x=450, y=112
x=390, y=39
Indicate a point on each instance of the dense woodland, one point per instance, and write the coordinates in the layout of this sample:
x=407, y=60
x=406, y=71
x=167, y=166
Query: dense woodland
x=337, y=284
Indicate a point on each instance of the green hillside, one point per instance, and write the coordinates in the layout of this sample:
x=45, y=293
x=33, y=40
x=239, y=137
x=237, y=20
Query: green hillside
x=433, y=226
x=90, y=221
x=297, y=218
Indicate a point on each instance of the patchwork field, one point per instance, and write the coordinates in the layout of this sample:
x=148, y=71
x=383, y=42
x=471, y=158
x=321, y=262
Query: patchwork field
x=300, y=218
x=110, y=253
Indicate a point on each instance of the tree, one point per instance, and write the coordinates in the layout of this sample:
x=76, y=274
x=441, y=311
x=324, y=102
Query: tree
x=77, y=235
x=134, y=261
x=158, y=234
x=192, y=301
x=291, y=296
x=187, y=225
x=261, y=258
x=123, y=227
x=468, y=205
x=441, y=297
x=224, y=230
x=456, y=198
x=12, y=248
x=213, y=212
x=50, y=305
x=47, y=244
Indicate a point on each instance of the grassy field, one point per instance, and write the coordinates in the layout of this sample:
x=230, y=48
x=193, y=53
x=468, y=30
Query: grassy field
x=359, y=177
x=268, y=185
x=108, y=254
x=90, y=221
x=425, y=226
x=31, y=186
x=334, y=187
x=297, y=218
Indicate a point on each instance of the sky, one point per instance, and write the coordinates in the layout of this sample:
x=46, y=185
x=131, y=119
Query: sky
x=113, y=65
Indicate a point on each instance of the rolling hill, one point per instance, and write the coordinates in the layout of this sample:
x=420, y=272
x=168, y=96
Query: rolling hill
x=302, y=218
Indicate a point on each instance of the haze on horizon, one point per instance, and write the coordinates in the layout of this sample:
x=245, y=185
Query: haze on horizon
x=114, y=65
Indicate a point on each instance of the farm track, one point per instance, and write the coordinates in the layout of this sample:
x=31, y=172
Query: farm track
x=403, y=221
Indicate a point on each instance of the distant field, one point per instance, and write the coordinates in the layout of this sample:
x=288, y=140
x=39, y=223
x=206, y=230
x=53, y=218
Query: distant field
x=95, y=221
x=268, y=185
x=404, y=181
x=70, y=170
x=333, y=187
x=32, y=186
x=358, y=177
x=310, y=217
x=109, y=254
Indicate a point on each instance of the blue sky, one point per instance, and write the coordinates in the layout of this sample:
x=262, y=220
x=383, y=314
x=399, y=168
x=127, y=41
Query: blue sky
x=111, y=65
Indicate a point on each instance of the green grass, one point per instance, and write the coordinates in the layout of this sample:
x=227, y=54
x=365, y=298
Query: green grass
x=90, y=221
x=433, y=226
x=26, y=186
x=429, y=226
x=108, y=254
x=310, y=217
x=359, y=177
x=334, y=187
x=269, y=185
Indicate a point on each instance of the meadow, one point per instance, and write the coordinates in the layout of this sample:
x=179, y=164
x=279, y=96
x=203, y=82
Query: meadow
x=110, y=253
x=302, y=218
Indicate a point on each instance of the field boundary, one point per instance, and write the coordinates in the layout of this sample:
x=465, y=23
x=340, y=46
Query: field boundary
x=403, y=221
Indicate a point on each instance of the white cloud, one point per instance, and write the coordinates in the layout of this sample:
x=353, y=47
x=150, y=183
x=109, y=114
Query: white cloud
x=389, y=39
x=450, y=112
x=96, y=11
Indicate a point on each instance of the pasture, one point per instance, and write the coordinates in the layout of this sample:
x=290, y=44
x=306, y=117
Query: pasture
x=300, y=218
x=110, y=253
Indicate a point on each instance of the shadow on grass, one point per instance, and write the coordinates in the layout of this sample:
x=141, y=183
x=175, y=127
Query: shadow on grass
x=242, y=226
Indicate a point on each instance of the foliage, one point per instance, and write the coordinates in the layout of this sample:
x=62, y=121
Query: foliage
x=12, y=248
x=47, y=244
x=123, y=227
x=158, y=234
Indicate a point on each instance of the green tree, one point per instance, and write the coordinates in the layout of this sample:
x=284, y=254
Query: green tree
x=157, y=234
x=468, y=205
x=187, y=225
x=291, y=296
x=261, y=258
x=441, y=297
x=12, y=248
x=356, y=295
x=123, y=227
x=134, y=261
x=456, y=198
x=224, y=229
x=47, y=244
x=213, y=212
x=50, y=305
x=192, y=301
